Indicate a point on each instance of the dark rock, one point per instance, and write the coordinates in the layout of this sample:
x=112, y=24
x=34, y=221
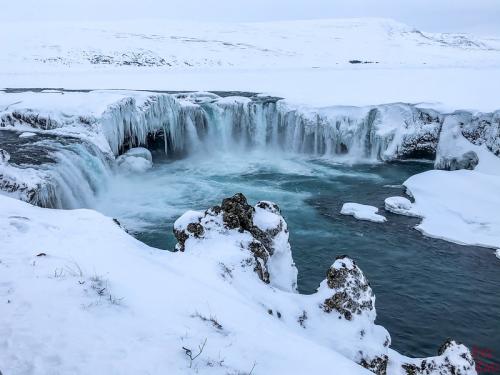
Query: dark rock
x=4, y=156
x=196, y=229
x=378, y=365
x=181, y=237
x=353, y=294
x=452, y=359
x=237, y=212
x=238, y=215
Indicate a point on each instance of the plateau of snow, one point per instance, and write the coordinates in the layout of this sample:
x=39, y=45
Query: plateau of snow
x=319, y=63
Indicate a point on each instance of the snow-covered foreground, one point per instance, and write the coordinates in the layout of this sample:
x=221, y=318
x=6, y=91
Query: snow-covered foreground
x=323, y=62
x=79, y=295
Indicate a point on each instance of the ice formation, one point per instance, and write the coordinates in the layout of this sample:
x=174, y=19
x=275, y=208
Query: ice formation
x=362, y=212
x=135, y=160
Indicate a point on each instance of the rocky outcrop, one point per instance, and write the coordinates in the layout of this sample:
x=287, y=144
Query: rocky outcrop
x=452, y=359
x=352, y=294
x=260, y=231
x=350, y=297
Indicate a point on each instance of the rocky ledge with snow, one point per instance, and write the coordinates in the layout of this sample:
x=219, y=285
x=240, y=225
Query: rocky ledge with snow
x=182, y=312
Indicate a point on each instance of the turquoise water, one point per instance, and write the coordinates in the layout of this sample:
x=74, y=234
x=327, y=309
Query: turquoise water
x=427, y=289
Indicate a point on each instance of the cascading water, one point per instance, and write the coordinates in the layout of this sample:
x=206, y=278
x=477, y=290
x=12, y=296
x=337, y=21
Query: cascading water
x=189, y=124
x=52, y=171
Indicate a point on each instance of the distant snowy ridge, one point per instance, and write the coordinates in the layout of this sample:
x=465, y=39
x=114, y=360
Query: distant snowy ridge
x=100, y=125
x=171, y=45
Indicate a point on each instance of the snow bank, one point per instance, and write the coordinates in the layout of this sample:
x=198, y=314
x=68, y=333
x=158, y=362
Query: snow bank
x=152, y=308
x=459, y=206
x=362, y=212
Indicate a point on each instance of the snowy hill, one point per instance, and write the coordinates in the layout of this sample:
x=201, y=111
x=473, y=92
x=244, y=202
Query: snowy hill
x=349, y=61
x=304, y=44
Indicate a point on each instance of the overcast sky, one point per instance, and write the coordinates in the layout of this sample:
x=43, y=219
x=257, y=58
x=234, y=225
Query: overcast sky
x=480, y=16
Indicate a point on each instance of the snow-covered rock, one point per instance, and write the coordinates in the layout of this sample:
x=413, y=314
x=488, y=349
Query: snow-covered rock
x=362, y=212
x=135, y=160
x=400, y=205
x=452, y=359
x=460, y=206
x=260, y=231
x=346, y=293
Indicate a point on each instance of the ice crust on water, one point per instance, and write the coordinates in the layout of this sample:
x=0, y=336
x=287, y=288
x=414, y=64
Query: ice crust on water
x=362, y=212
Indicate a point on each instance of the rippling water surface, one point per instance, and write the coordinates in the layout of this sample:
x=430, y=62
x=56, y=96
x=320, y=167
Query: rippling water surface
x=427, y=289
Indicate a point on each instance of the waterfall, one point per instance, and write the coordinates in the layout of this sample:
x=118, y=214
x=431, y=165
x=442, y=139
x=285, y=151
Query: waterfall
x=203, y=123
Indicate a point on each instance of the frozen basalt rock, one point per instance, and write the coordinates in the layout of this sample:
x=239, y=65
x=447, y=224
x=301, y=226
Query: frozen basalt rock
x=458, y=147
x=452, y=359
x=259, y=230
x=351, y=292
x=362, y=212
x=480, y=129
x=350, y=298
x=4, y=156
x=135, y=160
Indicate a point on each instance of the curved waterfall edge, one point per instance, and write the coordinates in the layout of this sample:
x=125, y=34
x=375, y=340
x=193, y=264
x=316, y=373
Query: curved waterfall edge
x=81, y=147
